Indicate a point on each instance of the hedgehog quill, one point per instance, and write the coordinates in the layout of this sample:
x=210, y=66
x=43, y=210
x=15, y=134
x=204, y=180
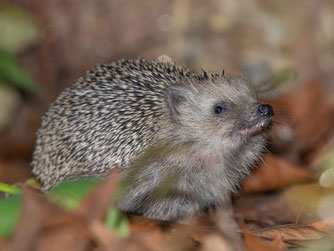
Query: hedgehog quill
x=211, y=129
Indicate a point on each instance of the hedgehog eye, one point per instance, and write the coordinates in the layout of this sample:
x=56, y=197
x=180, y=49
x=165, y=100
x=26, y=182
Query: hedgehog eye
x=219, y=109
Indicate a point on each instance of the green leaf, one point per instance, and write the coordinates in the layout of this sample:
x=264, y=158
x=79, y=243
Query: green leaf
x=10, y=209
x=9, y=189
x=68, y=194
x=12, y=74
x=117, y=222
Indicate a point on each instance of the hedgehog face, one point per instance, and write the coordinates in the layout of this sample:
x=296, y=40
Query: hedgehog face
x=223, y=111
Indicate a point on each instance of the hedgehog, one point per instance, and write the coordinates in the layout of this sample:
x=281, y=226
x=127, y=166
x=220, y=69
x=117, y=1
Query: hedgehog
x=182, y=140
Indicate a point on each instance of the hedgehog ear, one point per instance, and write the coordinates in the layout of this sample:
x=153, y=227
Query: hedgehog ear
x=175, y=97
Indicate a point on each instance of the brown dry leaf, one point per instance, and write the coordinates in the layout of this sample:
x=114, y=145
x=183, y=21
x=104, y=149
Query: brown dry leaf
x=2, y=243
x=273, y=174
x=325, y=225
x=169, y=236
x=40, y=219
x=63, y=237
x=216, y=242
x=312, y=102
x=44, y=226
x=139, y=224
x=147, y=241
x=95, y=205
x=195, y=231
x=107, y=239
x=142, y=224
x=270, y=209
x=309, y=111
x=290, y=232
x=312, y=199
x=179, y=239
x=254, y=243
x=279, y=243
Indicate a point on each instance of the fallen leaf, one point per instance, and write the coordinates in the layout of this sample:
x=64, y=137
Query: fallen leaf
x=2, y=243
x=325, y=161
x=318, y=119
x=39, y=215
x=143, y=224
x=290, y=232
x=139, y=224
x=169, y=236
x=271, y=209
x=310, y=112
x=273, y=174
x=216, y=242
x=279, y=243
x=327, y=178
x=107, y=239
x=252, y=242
x=95, y=205
x=325, y=225
x=314, y=200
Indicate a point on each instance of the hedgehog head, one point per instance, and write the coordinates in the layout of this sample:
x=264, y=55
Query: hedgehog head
x=223, y=112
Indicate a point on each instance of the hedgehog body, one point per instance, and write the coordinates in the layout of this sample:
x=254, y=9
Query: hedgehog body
x=159, y=123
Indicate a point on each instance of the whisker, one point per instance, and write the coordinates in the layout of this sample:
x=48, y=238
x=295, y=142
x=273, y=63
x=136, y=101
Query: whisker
x=271, y=94
x=267, y=93
x=291, y=112
x=278, y=124
x=266, y=150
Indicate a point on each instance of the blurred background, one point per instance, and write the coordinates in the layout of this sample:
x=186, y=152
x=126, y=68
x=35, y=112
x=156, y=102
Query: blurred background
x=46, y=44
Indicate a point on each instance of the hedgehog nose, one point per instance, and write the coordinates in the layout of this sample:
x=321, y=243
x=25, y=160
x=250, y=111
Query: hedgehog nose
x=265, y=110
